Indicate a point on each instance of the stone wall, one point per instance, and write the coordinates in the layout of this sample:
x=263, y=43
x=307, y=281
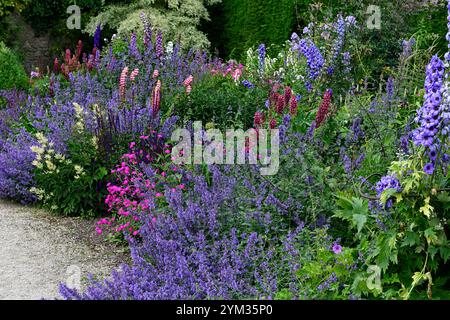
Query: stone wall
x=35, y=49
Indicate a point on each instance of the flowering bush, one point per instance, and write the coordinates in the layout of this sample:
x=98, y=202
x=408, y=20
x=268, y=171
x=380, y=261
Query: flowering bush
x=193, y=252
x=357, y=209
x=406, y=224
x=71, y=186
x=141, y=181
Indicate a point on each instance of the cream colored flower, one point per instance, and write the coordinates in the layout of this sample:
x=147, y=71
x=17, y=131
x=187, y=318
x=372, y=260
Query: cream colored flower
x=39, y=193
x=38, y=150
x=94, y=142
x=50, y=165
x=79, y=125
x=79, y=171
x=37, y=164
x=60, y=156
x=41, y=138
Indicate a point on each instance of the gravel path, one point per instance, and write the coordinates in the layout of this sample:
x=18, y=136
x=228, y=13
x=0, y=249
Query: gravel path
x=39, y=250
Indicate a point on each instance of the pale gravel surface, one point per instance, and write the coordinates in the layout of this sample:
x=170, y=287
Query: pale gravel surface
x=37, y=248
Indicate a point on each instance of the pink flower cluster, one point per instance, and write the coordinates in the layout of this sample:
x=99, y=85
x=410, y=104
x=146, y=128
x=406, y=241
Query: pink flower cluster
x=156, y=97
x=187, y=84
x=134, y=74
x=136, y=193
x=123, y=82
x=231, y=68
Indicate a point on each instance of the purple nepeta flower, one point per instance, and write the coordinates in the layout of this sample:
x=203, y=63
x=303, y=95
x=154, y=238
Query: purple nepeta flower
x=337, y=249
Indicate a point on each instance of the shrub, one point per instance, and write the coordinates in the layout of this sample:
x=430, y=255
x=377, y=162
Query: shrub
x=220, y=100
x=12, y=73
x=72, y=185
x=196, y=250
x=177, y=20
x=240, y=24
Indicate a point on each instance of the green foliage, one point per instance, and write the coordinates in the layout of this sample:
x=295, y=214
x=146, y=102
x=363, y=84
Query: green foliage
x=72, y=185
x=8, y=6
x=222, y=101
x=240, y=24
x=379, y=49
x=45, y=15
x=12, y=73
x=323, y=274
x=177, y=19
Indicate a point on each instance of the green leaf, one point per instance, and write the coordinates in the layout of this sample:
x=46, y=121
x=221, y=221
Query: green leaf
x=355, y=211
x=430, y=235
x=411, y=239
x=445, y=253
x=360, y=220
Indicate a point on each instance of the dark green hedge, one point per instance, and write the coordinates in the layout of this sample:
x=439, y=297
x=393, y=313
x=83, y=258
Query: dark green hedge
x=237, y=25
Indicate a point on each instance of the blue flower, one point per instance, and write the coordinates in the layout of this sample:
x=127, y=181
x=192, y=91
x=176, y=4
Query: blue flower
x=262, y=57
x=388, y=182
x=248, y=84
x=428, y=168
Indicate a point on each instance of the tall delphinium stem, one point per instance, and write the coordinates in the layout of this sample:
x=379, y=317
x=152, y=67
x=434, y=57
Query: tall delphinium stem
x=159, y=45
x=148, y=32
x=261, y=59
x=133, y=49
x=97, y=37
x=429, y=116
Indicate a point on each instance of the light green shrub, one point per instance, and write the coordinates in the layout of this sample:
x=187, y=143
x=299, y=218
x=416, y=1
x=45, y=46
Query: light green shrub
x=12, y=73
